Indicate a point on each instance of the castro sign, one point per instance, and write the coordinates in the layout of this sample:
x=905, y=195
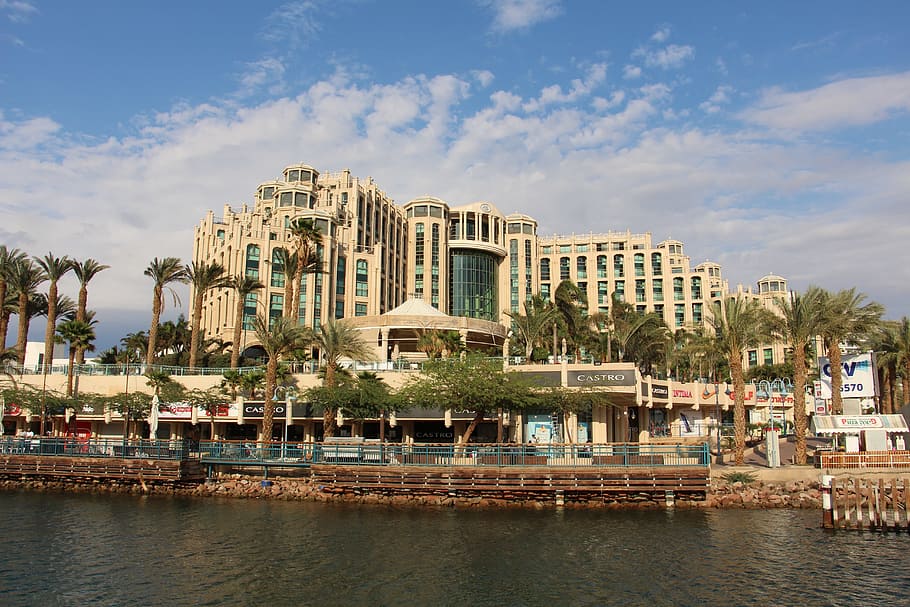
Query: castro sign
x=602, y=379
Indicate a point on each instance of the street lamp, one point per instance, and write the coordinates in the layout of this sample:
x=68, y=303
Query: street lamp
x=290, y=394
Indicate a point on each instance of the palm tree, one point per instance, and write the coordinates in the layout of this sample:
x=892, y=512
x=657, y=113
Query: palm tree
x=337, y=340
x=306, y=236
x=202, y=277
x=738, y=323
x=9, y=258
x=571, y=303
x=24, y=279
x=55, y=268
x=85, y=271
x=278, y=341
x=163, y=272
x=797, y=323
x=287, y=265
x=243, y=286
x=538, y=317
x=79, y=336
x=887, y=354
x=844, y=317
x=902, y=341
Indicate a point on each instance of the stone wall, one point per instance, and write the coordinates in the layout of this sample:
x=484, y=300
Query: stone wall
x=723, y=494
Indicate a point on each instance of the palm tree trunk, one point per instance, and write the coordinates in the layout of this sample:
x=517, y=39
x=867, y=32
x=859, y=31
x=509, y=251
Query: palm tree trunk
x=238, y=327
x=4, y=315
x=328, y=415
x=80, y=315
x=268, y=409
x=153, y=329
x=837, y=378
x=194, y=333
x=69, y=371
x=298, y=278
x=289, y=296
x=799, y=402
x=22, y=336
x=51, y=326
x=739, y=406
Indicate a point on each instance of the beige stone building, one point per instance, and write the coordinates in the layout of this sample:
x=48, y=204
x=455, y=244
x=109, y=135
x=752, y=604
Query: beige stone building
x=467, y=261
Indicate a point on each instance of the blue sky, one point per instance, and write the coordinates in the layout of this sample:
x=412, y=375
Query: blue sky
x=770, y=137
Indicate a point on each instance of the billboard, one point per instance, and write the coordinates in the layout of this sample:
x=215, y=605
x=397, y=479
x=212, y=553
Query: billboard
x=857, y=372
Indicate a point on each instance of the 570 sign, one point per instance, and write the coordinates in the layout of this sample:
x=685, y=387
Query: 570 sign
x=857, y=376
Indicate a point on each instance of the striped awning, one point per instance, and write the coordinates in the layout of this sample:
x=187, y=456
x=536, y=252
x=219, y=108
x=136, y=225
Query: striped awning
x=854, y=424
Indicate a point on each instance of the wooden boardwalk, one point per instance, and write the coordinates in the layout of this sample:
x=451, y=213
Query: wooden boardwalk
x=100, y=468
x=880, y=504
x=612, y=484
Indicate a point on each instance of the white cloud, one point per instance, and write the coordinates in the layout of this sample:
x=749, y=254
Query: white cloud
x=720, y=97
x=600, y=163
x=631, y=72
x=18, y=11
x=295, y=24
x=843, y=103
x=509, y=15
x=661, y=35
x=263, y=76
x=670, y=57
x=484, y=77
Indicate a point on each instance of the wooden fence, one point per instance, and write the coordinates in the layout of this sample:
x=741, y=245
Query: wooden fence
x=880, y=504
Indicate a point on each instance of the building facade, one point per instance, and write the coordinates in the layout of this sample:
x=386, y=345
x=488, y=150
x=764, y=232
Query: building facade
x=469, y=261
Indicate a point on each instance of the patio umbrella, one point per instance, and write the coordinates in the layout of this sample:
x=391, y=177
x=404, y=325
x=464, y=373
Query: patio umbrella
x=153, y=418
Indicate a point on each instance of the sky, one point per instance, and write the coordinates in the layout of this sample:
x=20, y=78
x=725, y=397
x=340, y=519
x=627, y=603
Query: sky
x=769, y=137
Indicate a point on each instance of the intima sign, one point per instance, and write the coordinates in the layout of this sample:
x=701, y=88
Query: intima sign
x=857, y=374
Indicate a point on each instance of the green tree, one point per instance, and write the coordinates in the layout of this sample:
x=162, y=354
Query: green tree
x=85, y=271
x=163, y=272
x=79, y=336
x=9, y=259
x=242, y=286
x=336, y=341
x=739, y=323
x=572, y=304
x=278, y=341
x=231, y=383
x=24, y=278
x=211, y=401
x=54, y=268
x=797, y=323
x=845, y=316
x=472, y=383
x=307, y=236
x=202, y=277
x=902, y=341
x=531, y=326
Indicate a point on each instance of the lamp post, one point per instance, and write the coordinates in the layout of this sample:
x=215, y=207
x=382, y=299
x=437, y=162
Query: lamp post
x=767, y=389
x=290, y=394
x=720, y=455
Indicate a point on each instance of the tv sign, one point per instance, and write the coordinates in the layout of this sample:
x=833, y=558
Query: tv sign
x=857, y=375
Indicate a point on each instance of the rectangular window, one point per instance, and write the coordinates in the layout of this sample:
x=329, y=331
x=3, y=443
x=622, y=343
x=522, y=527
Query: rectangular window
x=545, y=269
x=657, y=286
x=340, y=275
x=362, y=278
x=360, y=309
x=697, y=314
x=753, y=358
x=581, y=267
x=679, y=313
x=768, y=354
x=563, y=268
x=601, y=266
x=640, y=295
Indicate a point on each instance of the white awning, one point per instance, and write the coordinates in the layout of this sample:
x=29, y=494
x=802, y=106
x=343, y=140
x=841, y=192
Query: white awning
x=854, y=424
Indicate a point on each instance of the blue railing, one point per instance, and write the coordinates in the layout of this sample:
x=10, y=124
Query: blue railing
x=475, y=454
x=366, y=453
x=95, y=447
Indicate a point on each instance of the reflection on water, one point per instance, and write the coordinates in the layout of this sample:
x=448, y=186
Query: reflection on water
x=114, y=550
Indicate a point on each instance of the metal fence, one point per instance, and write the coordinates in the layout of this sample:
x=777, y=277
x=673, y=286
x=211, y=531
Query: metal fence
x=95, y=447
x=395, y=454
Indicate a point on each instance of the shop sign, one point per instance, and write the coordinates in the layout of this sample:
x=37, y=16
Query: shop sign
x=12, y=409
x=544, y=378
x=857, y=375
x=256, y=410
x=606, y=378
x=660, y=391
x=682, y=393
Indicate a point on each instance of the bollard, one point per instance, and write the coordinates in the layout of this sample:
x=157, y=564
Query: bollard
x=827, y=502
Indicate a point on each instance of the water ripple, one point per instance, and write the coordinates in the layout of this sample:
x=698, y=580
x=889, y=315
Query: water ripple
x=117, y=550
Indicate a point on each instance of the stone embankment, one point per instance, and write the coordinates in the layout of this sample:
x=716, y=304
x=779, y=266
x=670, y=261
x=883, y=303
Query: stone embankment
x=723, y=494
